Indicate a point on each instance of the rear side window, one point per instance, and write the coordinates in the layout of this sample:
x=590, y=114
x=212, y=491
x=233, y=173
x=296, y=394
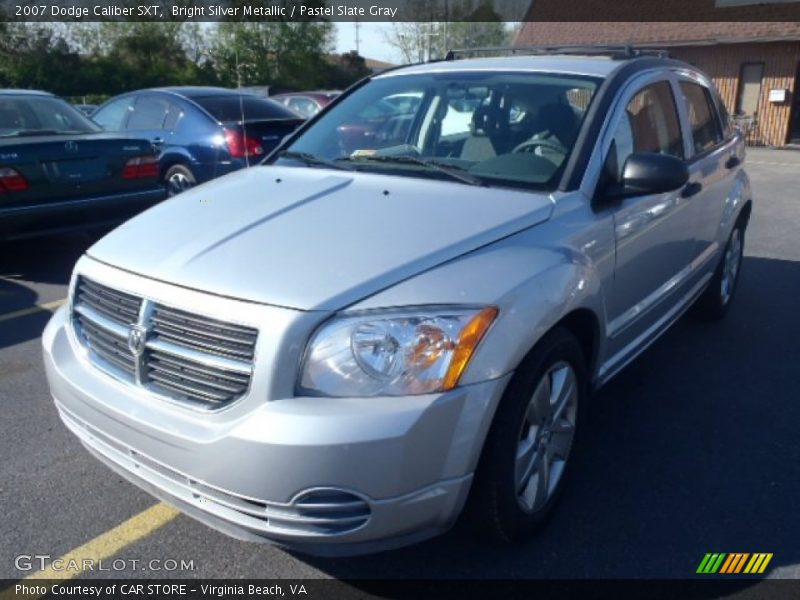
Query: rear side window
x=149, y=112
x=112, y=116
x=703, y=118
x=649, y=124
x=231, y=108
x=174, y=113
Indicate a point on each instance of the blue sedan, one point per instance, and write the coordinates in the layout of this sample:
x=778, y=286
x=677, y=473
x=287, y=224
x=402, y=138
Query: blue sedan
x=200, y=132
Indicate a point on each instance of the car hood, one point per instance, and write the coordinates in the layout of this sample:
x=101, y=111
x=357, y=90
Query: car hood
x=313, y=239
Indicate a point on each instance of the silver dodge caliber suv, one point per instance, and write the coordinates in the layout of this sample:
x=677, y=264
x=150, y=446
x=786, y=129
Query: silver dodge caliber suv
x=400, y=316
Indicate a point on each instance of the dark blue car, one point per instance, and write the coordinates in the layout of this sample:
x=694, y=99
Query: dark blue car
x=200, y=132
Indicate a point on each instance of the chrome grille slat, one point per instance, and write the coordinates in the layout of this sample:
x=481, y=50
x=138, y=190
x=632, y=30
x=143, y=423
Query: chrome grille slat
x=117, y=306
x=218, y=373
x=178, y=385
x=194, y=376
x=200, y=344
x=187, y=357
x=208, y=335
x=107, y=346
x=171, y=312
x=247, y=339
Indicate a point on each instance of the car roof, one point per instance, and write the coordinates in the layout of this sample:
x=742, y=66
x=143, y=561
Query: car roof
x=596, y=66
x=10, y=92
x=190, y=91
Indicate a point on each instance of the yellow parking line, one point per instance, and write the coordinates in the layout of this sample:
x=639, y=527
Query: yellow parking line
x=32, y=309
x=103, y=546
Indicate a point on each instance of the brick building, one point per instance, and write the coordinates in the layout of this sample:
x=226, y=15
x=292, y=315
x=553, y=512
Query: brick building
x=755, y=63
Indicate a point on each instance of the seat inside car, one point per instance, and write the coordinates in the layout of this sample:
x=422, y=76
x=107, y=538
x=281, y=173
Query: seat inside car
x=488, y=133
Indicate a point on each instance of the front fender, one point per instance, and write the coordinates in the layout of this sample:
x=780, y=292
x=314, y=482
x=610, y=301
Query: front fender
x=533, y=288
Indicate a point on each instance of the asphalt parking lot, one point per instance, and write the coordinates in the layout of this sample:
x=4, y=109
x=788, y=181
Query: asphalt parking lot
x=694, y=448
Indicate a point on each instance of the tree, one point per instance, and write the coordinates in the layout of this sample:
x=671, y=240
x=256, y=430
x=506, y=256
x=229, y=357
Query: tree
x=465, y=25
x=38, y=56
x=270, y=53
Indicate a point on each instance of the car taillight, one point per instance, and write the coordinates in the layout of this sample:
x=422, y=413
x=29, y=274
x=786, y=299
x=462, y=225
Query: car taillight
x=12, y=180
x=241, y=145
x=140, y=167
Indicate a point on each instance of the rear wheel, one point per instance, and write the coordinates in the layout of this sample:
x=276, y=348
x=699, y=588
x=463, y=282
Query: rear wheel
x=527, y=453
x=717, y=298
x=177, y=179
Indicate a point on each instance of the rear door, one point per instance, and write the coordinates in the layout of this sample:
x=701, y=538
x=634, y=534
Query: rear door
x=148, y=117
x=714, y=160
x=654, y=233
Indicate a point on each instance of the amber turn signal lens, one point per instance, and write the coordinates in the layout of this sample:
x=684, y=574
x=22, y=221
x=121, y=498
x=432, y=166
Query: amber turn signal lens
x=470, y=336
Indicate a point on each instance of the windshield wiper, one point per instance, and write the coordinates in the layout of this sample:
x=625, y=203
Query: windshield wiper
x=313, y=159
x=452, y=171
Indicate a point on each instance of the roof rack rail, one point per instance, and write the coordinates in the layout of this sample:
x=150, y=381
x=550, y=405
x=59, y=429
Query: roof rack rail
x=615, y=52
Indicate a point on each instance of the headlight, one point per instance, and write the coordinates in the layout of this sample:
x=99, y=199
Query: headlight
x=393, y=353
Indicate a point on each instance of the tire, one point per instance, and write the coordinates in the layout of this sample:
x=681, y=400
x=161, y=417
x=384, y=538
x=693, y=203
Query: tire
x=177, y=179
x=715, y=301
x=508, y=501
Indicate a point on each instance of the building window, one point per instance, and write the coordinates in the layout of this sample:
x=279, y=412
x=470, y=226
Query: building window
x=749, y=88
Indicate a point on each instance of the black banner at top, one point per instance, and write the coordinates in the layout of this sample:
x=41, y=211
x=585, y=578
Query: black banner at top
x=750, y=11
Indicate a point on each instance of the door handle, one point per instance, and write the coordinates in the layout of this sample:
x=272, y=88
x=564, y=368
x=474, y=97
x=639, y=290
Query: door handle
x=691, y=189
x=733, y=162
x=157, y=141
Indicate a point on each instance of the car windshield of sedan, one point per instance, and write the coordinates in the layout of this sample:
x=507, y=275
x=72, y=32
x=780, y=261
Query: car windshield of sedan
x=481, y=128
x=40, y=115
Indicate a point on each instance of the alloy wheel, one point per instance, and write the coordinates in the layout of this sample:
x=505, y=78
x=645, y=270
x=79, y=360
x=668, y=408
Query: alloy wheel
x=546, y=437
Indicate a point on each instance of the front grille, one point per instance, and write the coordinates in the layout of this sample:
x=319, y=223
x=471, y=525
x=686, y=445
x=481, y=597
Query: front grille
x=185, y=356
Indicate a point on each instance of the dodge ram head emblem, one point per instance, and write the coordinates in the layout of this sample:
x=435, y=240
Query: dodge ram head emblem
x=137, y=336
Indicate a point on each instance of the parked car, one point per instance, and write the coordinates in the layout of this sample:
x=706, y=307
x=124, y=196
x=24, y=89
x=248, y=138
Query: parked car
x=338, y=352
x=59, y=171
x=383, y=123
x=200, y=132
x=307, y=104
x=86, y=109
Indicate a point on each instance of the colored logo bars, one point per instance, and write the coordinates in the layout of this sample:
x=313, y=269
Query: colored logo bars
x=737, y=562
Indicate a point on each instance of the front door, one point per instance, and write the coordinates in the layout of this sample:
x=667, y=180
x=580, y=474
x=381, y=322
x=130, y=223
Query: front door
x=794, y=128
x=655, y=234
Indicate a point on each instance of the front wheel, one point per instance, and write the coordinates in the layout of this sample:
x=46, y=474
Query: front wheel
x=715, y=301
x=178, y=179
x=527, y=454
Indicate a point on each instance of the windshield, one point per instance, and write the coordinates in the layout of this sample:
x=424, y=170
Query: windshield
x=231, y=108
x=496, y=128
x=40, y=115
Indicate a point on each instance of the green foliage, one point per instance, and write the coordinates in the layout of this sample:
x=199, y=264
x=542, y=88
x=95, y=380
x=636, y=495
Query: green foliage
x=281, y=54
x=104, y=59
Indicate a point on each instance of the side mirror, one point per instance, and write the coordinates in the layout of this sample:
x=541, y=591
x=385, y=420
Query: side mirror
x=647, y=173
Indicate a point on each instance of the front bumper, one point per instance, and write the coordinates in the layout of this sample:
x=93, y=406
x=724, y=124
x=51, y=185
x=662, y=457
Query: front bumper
x=249, y=470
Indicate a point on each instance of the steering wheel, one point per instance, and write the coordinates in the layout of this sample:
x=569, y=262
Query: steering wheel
x=531, y=145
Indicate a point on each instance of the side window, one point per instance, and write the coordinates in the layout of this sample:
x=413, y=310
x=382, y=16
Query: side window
x=174, y=114
x=149, y=112
x=649, y=124
x=706, y=130
x=112, y=116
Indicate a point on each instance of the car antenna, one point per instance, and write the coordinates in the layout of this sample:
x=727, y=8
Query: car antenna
x=241, y=109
